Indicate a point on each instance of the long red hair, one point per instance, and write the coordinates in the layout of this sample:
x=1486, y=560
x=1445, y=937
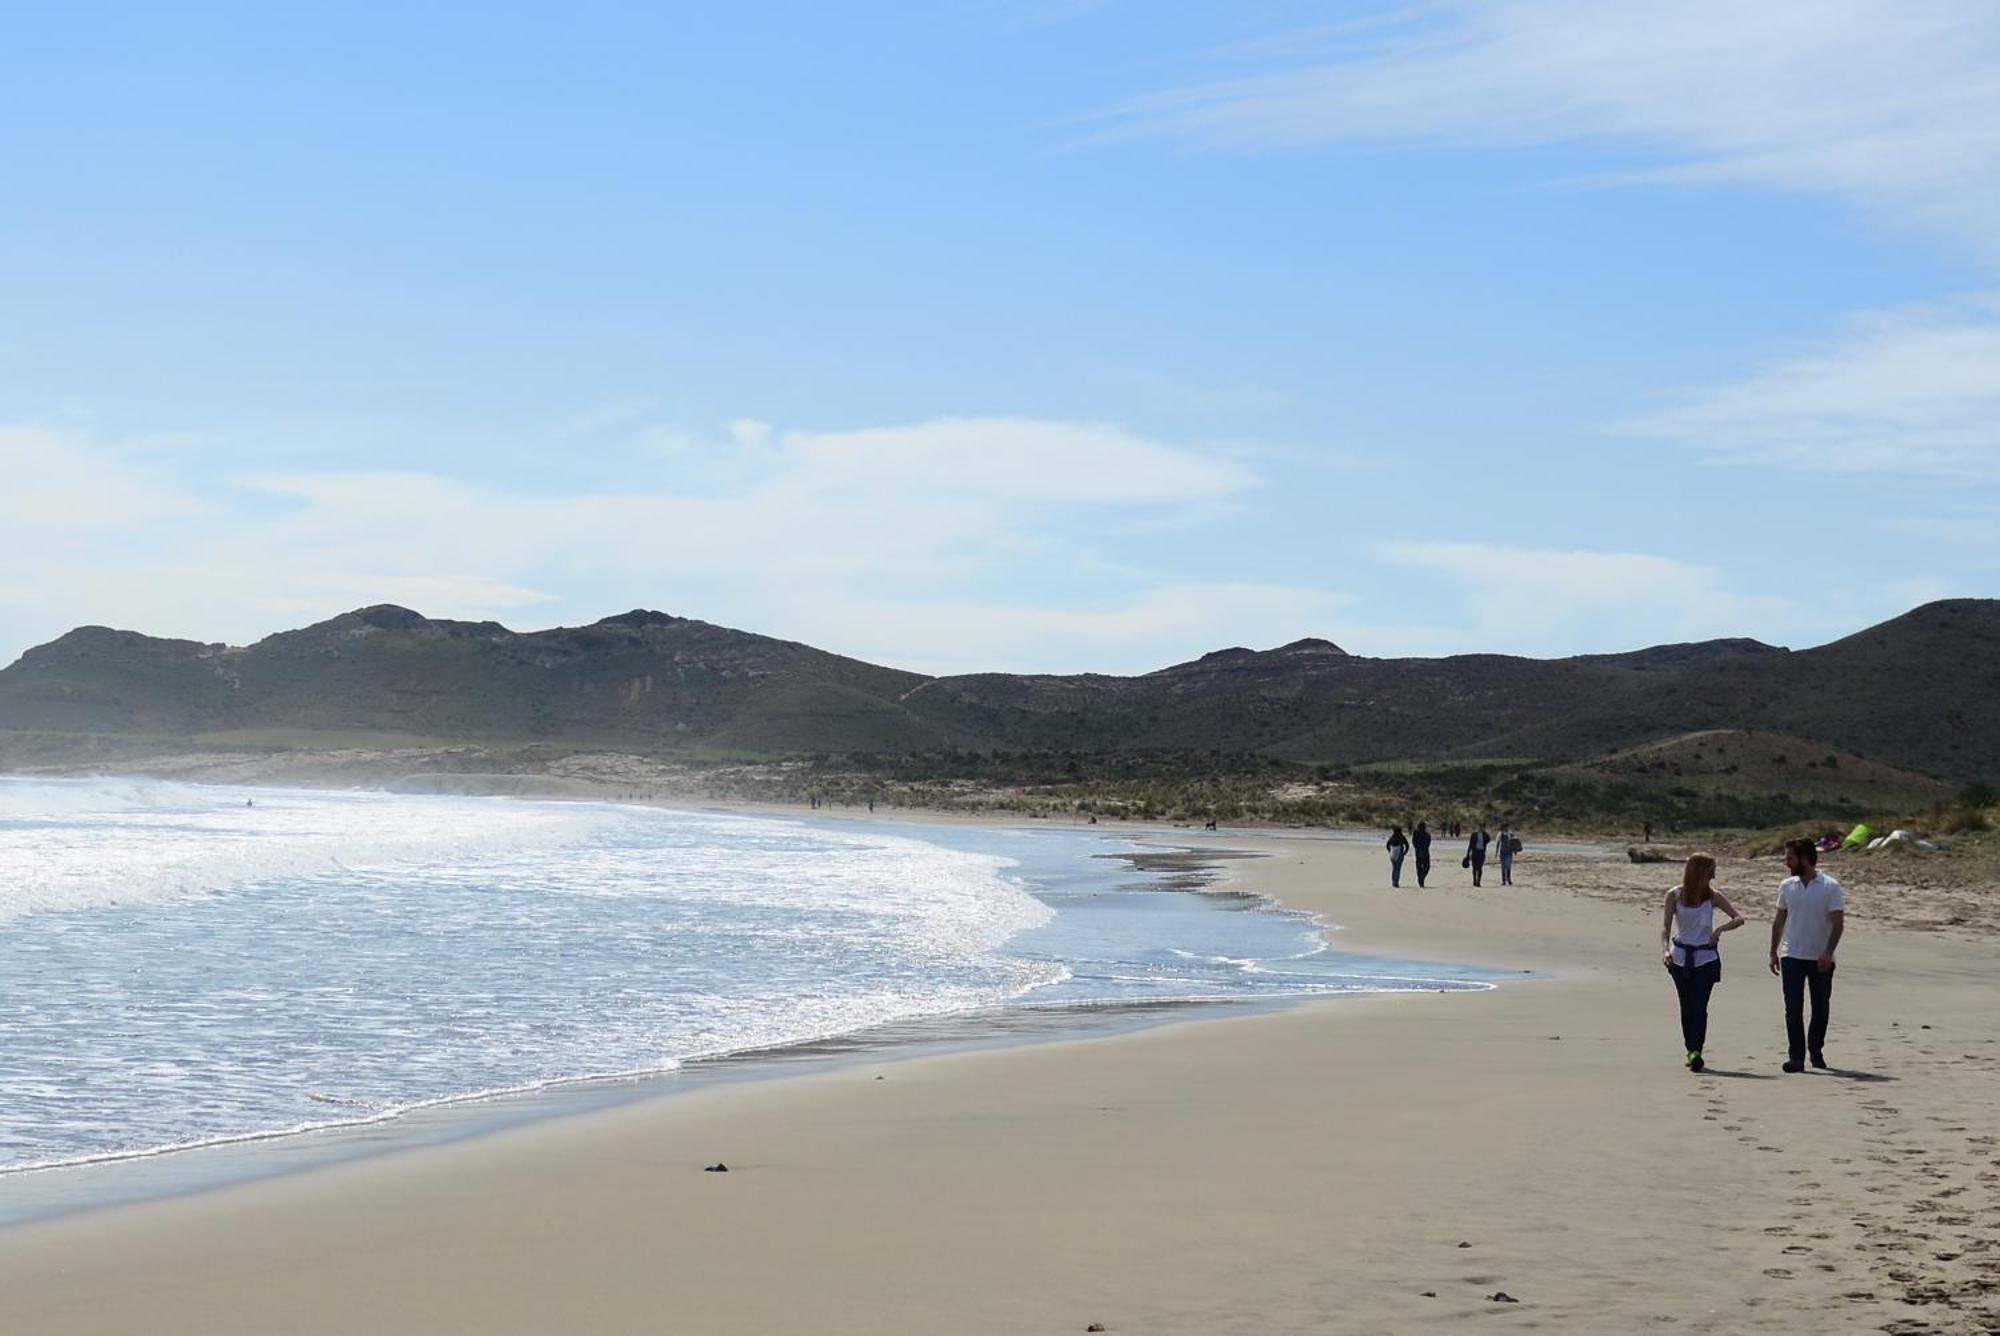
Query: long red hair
x=1697, y=880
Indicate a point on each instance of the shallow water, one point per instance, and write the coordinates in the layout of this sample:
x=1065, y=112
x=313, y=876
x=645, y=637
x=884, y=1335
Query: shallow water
x=185, y=966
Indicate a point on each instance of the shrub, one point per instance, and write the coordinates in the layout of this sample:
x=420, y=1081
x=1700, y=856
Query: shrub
x=1963, y=820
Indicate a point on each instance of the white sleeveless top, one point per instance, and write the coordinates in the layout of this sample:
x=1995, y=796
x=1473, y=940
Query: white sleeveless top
x=1694, y=925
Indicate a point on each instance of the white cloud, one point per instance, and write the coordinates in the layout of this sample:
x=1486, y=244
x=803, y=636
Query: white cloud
x=1894, y=104
x=889, y=522
x=58, y=487
x=1915, y=390
x=1013, y=460
x=1159, y=626
x=1553, y=601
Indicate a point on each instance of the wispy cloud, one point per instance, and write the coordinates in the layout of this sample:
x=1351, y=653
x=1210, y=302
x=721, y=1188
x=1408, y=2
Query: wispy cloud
x=61, y=487
x=1891, y=104
x=1915, y=390
x=1544, y=600
x=873, y=541
x=1160, y=625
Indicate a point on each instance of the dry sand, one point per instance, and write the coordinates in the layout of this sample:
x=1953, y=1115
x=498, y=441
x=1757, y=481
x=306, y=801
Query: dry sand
x=1365, y=1165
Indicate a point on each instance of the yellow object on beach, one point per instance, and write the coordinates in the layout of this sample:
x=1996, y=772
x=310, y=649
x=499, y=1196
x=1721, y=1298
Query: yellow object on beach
x=1857, y=837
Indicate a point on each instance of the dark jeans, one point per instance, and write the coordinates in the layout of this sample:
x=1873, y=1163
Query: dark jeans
x=1799, y=978
x=1423, y=866
x=1694, y=986
x=1506, y=869
x=1395, y=869
x=1478, y=867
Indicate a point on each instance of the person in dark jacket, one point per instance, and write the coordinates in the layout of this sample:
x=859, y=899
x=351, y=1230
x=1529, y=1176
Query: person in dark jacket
x=1420, y=841
x=1475, y=853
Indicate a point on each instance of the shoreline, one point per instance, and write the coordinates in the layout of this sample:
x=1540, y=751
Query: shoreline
x=30, y=1194
x=1312, y=1169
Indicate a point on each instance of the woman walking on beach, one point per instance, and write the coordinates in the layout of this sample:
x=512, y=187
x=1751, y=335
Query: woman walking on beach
x=1397, y=846
x=1687, y=947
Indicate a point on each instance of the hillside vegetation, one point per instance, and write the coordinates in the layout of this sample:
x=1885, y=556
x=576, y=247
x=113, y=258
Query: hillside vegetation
x=1726, y=732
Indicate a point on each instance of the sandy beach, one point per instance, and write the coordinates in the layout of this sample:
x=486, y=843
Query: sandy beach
x=1390, y=1163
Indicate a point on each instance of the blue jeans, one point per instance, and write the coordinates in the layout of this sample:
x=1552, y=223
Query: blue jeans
x=1694, y=986
x=1395, y=869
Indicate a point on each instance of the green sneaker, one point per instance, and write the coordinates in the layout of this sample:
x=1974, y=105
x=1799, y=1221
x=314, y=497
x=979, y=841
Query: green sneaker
x=1695, y=1063
x=1688, y=1061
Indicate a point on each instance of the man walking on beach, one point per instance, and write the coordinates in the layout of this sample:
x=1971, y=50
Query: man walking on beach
x=1506, y=854
x=1420, y=840
x=1812, y=915
x=1475, y=853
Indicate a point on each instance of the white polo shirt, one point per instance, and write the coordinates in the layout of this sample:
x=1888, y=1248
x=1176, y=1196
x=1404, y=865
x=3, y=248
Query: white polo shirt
x=1809, y=907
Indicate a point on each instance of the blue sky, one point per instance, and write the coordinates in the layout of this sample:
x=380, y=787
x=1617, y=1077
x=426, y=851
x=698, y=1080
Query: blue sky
x=1007, y=334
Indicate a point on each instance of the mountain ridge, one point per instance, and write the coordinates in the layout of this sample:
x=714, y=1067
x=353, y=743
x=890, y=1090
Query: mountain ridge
x=1921, y=690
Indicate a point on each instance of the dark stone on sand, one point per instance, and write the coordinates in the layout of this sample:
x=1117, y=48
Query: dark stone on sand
x=1463, y=1243
x=717, y=1168
x=1095, y=1326
x=1430, y=1294
x=1502, y=1297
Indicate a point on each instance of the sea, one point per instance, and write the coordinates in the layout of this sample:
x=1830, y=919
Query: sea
x=195, y=966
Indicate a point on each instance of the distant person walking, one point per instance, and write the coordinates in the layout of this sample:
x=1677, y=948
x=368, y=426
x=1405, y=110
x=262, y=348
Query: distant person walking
x=1398, y=847
x=1688, y=939
x=1420, y=840
x=1811, y=917
x=1506, y=854
x=1475, y=854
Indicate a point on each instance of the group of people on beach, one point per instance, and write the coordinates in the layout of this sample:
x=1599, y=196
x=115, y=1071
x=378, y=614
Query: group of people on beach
x=1806, y=929
x=1809, y=923
x=1418, y=841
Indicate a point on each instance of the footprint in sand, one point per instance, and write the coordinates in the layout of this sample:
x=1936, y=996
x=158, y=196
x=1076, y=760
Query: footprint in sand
x=1797, y=1250
x=1777, y=1273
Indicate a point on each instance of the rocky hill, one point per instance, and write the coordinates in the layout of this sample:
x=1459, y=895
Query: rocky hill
x=1921, y=691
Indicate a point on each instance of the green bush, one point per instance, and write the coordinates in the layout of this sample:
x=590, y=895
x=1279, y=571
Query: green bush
x=1979, y=795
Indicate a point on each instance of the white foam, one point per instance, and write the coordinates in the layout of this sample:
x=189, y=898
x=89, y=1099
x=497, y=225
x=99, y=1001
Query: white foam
x=327, y=959
x=80, y=844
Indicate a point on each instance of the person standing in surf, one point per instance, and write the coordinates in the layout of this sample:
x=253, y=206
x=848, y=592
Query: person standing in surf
x=1688, y=948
